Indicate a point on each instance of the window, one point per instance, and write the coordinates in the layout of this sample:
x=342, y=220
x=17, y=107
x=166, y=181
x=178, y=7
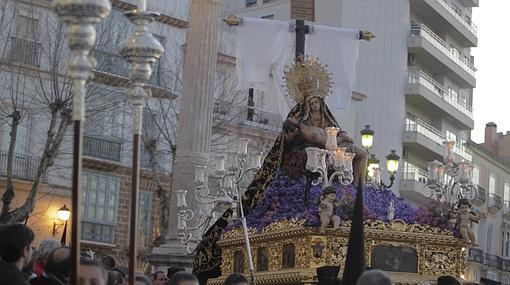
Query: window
x=480, y=235
x=506, y=193
x=251, y=3
x=492, y=184
x=505, y=244
x=489, y=239
x=25, y=47
x=476, y=175
x=144, y=218
x=451, y=136
x=106, y=124
x=99, y=203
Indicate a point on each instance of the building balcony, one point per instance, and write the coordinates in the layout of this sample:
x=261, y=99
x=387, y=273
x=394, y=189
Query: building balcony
x=101, y=148
x=495, y=203
x=24, y=166
x=427, y=141
x=445, y=17
x=475, y=255
x=438, y=56
x=423, y=91
x=481, y=197
x=412, y=184
x=24, y=51
x=506, y=210
x=225, y=112
x=470, y=3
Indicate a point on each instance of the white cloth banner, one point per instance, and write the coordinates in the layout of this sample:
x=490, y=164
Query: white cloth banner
x=338, y=48
x=261, y=47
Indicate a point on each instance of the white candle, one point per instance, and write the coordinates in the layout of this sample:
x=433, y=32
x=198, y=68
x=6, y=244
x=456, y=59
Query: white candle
x=142, y=5
x=200, y=174
x=181, y=198
x=258, y=159
x=339, y=157
x=243, y=146
x=228, y=182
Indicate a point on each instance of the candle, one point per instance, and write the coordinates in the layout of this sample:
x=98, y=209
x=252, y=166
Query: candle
x=142, y=5
x=348, y=157
x=181, y=198
x=229, y=183
x=331, y=142
x=339, y=157
x=376, y=175
x=258, y=159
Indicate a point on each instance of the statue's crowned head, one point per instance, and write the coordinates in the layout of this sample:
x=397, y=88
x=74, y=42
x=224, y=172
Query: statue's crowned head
x=307, y=79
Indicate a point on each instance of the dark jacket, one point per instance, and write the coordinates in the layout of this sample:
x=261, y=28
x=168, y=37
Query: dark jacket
x=11, y=275
x=41, y=280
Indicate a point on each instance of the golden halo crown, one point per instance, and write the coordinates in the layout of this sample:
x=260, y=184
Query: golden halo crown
x=308, y=78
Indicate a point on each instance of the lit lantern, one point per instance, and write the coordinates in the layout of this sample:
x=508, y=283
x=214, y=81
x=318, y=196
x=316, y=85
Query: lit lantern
x=367, y=137
x=392, y=162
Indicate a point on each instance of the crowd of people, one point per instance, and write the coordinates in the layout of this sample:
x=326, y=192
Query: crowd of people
x=21, y=263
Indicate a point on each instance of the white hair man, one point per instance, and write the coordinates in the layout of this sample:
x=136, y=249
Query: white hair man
x=374, y=277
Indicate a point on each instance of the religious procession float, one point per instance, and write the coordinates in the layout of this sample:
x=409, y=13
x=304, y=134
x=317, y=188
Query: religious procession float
x=310, y=206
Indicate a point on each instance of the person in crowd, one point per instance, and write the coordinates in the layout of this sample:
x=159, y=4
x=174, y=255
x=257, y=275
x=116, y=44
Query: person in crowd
x=57, y=270
x=116, y=277
x=236, y=279
x=92, y=272
x=374, y=277
x=16, y=250
x=159, y=278
x=109, y=262
x=183, y=278
x=447, y=280
x=43, y=253
x=142, y=280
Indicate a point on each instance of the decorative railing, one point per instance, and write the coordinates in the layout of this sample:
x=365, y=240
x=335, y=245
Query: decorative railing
x=495, y=202
x=24, y=166
x=478, y=256
x=24, y=51
x=420, y=77
x=97, y=232
x=102, y=148
x=420, y=30
x=482, y=194
x=461, y=17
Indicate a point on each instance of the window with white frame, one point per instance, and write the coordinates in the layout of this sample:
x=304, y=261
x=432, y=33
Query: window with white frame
x=492, y=184
x=106, y=124
x=451, y=136
x=480, y=233
x=99, y=204
x=506, y=193
x=144, y=218
x=24, y=45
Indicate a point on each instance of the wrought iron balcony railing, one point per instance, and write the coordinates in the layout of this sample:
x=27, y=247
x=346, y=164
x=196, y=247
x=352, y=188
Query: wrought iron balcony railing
x=24, y=51
x=475, y=255
x=24, y=166
x=102, y=148
x=495, y=202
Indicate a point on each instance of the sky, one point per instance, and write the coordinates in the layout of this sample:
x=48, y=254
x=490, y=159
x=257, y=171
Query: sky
x=491, y=102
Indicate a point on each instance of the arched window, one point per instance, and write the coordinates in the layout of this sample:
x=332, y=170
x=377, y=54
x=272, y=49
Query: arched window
x=489, y=238
x=238, y=261
x=288, y=256
x=262, y=259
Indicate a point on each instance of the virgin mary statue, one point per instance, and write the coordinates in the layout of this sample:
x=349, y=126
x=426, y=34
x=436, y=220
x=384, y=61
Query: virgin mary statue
x=283, y=170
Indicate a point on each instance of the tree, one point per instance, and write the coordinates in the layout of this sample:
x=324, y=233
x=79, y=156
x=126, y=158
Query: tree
x=33, y=72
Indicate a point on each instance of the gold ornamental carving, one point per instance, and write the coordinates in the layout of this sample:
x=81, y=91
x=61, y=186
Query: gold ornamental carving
x=438, y=252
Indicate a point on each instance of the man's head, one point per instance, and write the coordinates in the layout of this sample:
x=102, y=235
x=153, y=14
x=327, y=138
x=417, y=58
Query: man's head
x=109, y=261
x=447, y=280
x=159, y=278
x=16, y=244
x=92, y=273
x=142, y=280
x=46, y=247
x=58, y=266
x=183, y=278
x=236, y=279
x=374, y=277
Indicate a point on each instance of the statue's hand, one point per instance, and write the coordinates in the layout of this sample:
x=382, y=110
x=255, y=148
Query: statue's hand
x=343, y=137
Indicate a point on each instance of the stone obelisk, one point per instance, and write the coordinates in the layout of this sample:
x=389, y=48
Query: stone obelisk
x=195, y=114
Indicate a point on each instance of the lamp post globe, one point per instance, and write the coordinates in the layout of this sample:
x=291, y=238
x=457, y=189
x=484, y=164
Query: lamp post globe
x=392, y=162
x=64, y=213
x=367, y=137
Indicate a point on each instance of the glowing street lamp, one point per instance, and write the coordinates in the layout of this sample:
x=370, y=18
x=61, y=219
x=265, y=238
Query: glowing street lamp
x=367, y=138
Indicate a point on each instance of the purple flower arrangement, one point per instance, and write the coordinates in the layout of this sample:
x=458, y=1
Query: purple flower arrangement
x=284, y=200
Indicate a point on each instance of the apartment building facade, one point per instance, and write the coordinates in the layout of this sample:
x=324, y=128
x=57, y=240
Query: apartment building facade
x=491, y=175
x=30, y=84
x=417, y=75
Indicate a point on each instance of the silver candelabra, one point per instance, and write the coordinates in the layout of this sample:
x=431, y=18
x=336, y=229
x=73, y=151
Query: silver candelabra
x=82, y=16
x=230, y=172
x=450, y=181
x=141, y=50
x=320, y=160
